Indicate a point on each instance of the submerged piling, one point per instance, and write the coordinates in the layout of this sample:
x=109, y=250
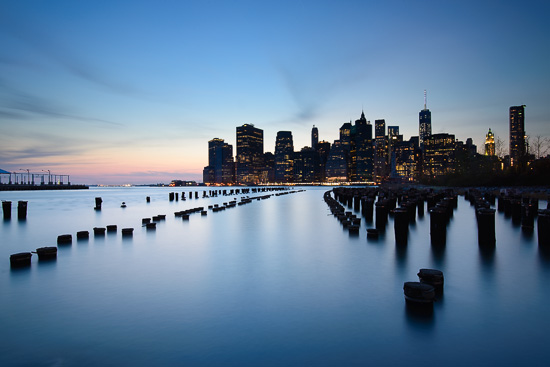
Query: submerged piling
x=486, y=227
x=98, y=202
x=6, y=208
x=438, y=225
x=401, y=225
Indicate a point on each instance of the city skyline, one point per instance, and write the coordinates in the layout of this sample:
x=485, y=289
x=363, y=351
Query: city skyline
x=130, y=92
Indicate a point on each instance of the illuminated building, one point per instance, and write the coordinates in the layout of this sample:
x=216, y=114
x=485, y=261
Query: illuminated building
x=284, y=152
x=337, y=163
x=306, y=163
x=362, y=151
x=439, y=155
x=250, y=152
x=381, y=168
x=490, y=144
x=220, y=169
x=517, y=135
x=424, y=123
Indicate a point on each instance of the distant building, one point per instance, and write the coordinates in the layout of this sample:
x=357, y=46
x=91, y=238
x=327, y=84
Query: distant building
x=405, y=160
x=306, y=163
x=268, y=173
x=490, y=144
x=424, y=123
x=379, y=129
x=314, y=137
x=362, y=150
x=517, y=136
x=220, y=169
x=250, y=152
x=439, y=155
x=381, y=159
x=337, y=163
x=323, y=149
x=284, y=157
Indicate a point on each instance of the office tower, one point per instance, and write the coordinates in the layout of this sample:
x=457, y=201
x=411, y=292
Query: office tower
x=517, y=135
x=425, y=123
x=381, y=160
x=362, y=150
x=379, y=128
x=314, y=137
x=337, y=163
x=220, y=169
x=250, y=152
x=490, y=144
x=405, y=160
x=306, y=162
x=284, y=155
x=439, y=155
x=268, y=172
x=323, y=149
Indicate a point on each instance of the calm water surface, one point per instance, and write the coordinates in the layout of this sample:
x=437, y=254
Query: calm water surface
x=277, y=282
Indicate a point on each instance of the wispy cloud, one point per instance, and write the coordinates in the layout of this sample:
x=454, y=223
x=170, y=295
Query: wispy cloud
x=15, y=104
x=62, y=56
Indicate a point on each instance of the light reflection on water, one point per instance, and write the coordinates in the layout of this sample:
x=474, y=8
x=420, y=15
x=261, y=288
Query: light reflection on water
x=275, y=282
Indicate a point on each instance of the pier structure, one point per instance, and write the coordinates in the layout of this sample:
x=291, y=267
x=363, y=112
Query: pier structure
x=27, y=180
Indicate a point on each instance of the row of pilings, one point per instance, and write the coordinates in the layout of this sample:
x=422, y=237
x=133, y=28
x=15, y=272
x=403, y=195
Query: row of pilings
x=223, y=192
x=23, y=259
x=521, y=208
x=404, y=205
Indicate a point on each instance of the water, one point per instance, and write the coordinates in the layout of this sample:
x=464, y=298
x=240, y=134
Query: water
x=277, y=282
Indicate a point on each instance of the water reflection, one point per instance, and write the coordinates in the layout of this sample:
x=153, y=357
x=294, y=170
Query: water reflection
x=419, y=318
x=438, y=253
x=487, y=256
x=401, y=254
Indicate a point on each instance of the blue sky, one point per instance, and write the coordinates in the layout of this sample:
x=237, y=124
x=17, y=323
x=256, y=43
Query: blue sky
x=131, y=91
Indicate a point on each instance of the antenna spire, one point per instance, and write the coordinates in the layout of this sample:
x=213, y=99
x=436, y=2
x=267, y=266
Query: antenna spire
x=424, y=98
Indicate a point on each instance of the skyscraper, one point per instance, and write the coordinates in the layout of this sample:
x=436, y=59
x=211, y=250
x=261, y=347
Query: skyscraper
x=363, y=150
x=490, y=143
x=439, y=157
x=250, y=151
x=425, y=123
x=284, y=151
x=379, y=128
x=337, y=163
x=517, y=135
x=314, y=137
x=220, y=169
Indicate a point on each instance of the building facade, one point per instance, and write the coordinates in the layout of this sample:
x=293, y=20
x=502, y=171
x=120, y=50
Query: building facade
x=439, y=155
x=517, y=136
x=250, y=152
x=284, y=157
x=220, y=169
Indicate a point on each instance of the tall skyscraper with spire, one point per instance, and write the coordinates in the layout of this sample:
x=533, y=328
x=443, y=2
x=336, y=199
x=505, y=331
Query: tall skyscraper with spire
x=425, y=123
x=517, y=135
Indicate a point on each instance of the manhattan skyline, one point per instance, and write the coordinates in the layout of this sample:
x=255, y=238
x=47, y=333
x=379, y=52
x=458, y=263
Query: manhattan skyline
x=130, y=92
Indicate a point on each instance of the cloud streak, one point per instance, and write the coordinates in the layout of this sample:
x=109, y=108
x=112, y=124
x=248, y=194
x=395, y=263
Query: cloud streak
x=19, y=105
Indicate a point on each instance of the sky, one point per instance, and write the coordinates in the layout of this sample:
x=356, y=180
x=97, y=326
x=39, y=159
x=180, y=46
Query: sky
x=118, y=92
